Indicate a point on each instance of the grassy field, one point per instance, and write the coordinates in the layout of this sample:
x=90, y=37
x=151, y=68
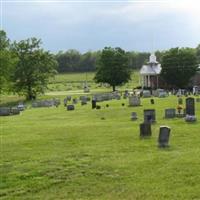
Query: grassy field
x=51, y=153
x=75, y=81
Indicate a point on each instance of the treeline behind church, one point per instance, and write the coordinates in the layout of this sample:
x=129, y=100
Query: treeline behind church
x=73, y=61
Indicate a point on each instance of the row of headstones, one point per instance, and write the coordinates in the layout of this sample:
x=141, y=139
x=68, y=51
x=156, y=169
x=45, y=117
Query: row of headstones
x=164, y=133
x=46, y=103
x=150, y=114
x=7, y=111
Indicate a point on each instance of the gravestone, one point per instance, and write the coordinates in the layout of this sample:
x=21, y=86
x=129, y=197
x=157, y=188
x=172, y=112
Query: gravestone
x=146, y=93
x=134, y=116
x=134, y=100
x=5, y=111
x=163, y=138
x=170, y=113
x=190, y=110
x=145, y=130
x=15, y=111
x=74, y=101
x=68, y=98
x=93, y=104
x=152, y=101
x=149, y=116
x=65, y=101
x=180, y=101
x=70, y=107
x=21, y=106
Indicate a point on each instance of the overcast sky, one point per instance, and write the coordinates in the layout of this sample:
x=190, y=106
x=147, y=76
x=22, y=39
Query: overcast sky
x=92, y=25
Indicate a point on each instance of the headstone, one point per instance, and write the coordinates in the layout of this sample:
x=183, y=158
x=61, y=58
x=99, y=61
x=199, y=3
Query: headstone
x=21, y=106
x=146, y=93
x=133, y=116
x=74, y=101
x=93, y=104
x=149, y=116
x=70, y=107
x=170, y=113
x=163, y=138
x=134, y=100
x=162, y=94
x=65, y=101
x=56, y=102
x=5, y=111
x=145, y=130
x=152, y=101
x=15, y=111
x=68, y=98
x=190, y=110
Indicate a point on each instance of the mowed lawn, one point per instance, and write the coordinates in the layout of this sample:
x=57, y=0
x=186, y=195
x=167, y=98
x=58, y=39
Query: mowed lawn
x=51, y=153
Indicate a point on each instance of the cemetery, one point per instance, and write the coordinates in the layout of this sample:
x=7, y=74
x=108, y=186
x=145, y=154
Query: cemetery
x=103, y=144
x=100, y=100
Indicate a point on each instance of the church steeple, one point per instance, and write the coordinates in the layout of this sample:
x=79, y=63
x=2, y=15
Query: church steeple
x=152, y=59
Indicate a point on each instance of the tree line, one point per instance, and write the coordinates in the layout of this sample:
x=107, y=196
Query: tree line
x=25, y=67
x=74, y=61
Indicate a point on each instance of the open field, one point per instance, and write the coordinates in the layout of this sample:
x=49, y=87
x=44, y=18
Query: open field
x=75, y=81
x=51, y=153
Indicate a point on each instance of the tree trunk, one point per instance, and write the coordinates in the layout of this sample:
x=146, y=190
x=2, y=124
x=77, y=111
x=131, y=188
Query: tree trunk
x=113, y=86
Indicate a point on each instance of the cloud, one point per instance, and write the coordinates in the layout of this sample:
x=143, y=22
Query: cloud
x=131, y=25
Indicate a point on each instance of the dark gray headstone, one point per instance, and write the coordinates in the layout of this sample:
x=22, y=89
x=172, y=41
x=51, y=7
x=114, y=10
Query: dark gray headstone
x=15, y=111
x=133, y=116
x=5, y=111
x=170, y=113
x=68, y=98
x=145, y=130
x=190, y=107
x=163, y=138
x=94, y=104
x=70, y=107
x=149, y=116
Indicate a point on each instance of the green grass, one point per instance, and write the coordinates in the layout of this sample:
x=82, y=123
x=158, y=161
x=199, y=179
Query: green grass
x=51, y=153
x=75, y=81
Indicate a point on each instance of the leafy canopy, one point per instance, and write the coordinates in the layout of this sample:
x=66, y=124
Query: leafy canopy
x=33, y=69
x=113, y=67
x=179, y=65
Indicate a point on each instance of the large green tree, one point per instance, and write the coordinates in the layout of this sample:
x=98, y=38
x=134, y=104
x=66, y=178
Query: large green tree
x=113, y=67
x=179, y=65
x=7, y=62
x=198, y=53
x=33, y=69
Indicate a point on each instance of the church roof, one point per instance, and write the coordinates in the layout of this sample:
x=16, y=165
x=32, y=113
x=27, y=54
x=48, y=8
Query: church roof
x=150, y=69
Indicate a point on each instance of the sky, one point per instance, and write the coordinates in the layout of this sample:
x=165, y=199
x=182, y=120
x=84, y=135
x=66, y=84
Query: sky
x=134, y=25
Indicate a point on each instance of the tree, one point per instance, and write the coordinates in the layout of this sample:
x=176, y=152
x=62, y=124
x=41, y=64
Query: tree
x=179, y=65
x=113, y=67
x=7, y=62
x=33, y=69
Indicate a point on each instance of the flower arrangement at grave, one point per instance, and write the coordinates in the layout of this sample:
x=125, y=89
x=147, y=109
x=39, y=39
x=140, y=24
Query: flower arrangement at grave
x=179, y=108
